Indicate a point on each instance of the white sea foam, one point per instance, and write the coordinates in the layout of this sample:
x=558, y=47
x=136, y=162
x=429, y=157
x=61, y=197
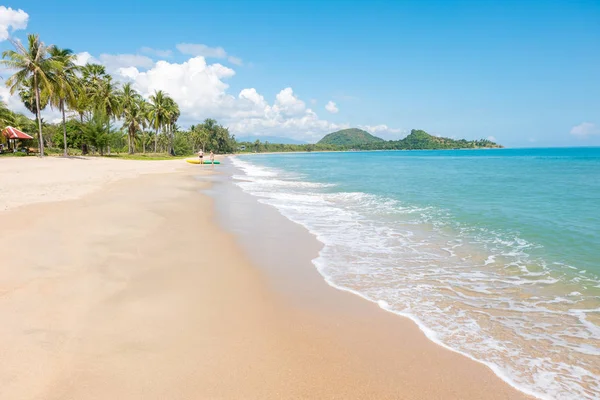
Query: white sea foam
x=469, y=289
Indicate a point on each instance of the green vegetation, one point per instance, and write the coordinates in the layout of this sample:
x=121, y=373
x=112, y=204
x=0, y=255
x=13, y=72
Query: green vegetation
x=92, y=106
x=416, y=140
x=350, y=137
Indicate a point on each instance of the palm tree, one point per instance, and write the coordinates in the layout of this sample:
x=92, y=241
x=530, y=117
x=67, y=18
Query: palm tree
x=30, y=62
x=63, y=82
x=133, y=113
x=6, y=116
x=93, y=74
x=27, y=96
x=158, y=113
x=106, y=98
x=172, y=115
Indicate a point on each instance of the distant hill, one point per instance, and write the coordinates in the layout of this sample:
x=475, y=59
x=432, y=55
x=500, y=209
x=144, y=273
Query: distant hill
x=421, y=140
x=270, y=139
x=350, y=137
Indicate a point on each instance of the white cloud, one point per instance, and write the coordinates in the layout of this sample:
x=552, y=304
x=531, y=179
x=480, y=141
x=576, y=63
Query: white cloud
x=201, y=91
x=288, y=104
x=331, y=107
x=492, y=138
x=584, y=130
x=115, y=61
x=11, y=20
x=197, y=49
x=84, y=58
x=156, y=52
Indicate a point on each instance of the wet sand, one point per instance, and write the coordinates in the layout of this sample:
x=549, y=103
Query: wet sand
x=135, y=291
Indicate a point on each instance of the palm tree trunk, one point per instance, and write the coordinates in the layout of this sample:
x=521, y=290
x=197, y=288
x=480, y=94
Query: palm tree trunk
x=62, y=108
x=39, y=118
x=156, y=140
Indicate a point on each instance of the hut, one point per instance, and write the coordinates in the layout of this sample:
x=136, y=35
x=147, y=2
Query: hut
x=14, y=136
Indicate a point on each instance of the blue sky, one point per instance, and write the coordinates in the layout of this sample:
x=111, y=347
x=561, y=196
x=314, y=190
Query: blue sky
x=524, y=72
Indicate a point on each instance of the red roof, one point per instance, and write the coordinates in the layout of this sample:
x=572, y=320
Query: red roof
x=14, y=133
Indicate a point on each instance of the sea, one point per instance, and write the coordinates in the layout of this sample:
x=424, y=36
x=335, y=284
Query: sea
x=494, y=253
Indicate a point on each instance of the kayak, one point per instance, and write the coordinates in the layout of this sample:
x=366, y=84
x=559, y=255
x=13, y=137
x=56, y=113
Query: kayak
x=196, y=161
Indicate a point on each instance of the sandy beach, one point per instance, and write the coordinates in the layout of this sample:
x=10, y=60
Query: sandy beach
x=118, y=281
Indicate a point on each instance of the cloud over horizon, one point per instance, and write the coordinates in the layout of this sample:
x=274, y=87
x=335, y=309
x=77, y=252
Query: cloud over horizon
x=585, y=130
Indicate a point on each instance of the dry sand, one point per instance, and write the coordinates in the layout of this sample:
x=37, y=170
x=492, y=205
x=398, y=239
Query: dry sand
x=133, y=292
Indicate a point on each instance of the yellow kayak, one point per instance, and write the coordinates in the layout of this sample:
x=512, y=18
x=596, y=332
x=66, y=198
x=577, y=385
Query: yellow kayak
x=196, y=161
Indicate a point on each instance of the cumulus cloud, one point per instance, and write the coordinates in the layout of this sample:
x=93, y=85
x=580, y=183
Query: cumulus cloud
x=491, y=138
x=84, y=57
x=584, y=130
x=11, y=20
x=156, y=52
x=331, y=107
x=201, y=90
x=196, y=49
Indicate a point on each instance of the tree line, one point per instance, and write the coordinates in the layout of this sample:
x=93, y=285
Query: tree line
x=98, y=113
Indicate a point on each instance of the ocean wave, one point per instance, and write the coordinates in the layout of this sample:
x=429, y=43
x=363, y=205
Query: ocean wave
x=469, y=288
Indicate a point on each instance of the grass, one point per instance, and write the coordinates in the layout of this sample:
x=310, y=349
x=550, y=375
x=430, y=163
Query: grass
x=146, y=156
x=11, y=154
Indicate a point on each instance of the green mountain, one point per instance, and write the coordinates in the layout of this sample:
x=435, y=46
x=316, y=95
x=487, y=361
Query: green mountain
x=350, y=137
x=421, y=140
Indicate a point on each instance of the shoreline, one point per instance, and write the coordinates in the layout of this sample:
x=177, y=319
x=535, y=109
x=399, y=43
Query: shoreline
x=257, y=244
x=125, y=288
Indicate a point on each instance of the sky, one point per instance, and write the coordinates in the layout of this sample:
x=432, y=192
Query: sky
x=522, y=73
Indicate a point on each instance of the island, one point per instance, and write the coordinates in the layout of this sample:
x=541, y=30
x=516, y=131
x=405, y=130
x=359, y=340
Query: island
x=358, y=139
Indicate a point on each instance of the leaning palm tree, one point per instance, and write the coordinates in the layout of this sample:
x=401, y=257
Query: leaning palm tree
x=6, y=116
x=158, y=113
x=30, y=62
x=63, y=81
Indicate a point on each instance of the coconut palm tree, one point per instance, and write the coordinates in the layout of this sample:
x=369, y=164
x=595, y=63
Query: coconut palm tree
x=91, y=77
x=6, y=116
x=106, y=98
x=93, y=74
x=27, y=96
x=63, y=81
x=133, y=113
x=172, y=115
x=158, y=113
x=30, y=62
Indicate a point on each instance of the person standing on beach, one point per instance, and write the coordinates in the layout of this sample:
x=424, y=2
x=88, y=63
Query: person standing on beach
x=212, y=159
x=201, y=156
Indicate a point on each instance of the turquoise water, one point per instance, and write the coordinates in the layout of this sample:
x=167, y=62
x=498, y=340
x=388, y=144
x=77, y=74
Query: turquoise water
x=495, y=253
